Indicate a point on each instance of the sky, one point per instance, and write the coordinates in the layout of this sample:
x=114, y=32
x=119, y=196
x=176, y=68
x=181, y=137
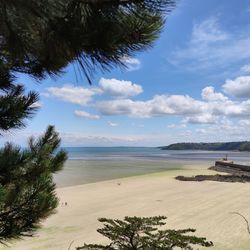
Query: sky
x=192, y=86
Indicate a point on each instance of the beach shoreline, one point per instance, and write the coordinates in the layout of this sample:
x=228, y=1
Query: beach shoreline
x=204, y=206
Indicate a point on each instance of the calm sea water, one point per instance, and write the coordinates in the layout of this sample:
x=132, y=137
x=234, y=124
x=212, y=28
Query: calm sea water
x=93, y=164
x=124, y=153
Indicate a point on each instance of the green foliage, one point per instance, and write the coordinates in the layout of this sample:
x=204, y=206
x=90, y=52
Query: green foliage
x=27, y=191
x=43, y=37
x=218, y=146
x=134, y=233
x=15, y=106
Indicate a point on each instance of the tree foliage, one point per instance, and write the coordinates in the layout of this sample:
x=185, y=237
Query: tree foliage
x=134, y=233
x=40, y=37
x=15, y=106
x=27, y=190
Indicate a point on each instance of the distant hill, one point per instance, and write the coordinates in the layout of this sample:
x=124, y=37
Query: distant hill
x=217, y=146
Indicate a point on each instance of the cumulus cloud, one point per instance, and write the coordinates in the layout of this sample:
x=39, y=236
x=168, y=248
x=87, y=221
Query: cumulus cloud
x=239, y=87
x=73, y=94
x=160, y=105
x=229, y=108
x=206, y=111
x=131, y=63
x=205, y=118
x=123, y=107
x=175, y=105
x=83, y=96
x=209, y=94
x=228, y=131
x=119, y=88
x=211, y=47
x=86, y=115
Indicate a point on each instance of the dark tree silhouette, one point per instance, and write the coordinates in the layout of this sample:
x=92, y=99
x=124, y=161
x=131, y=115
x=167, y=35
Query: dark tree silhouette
x=134, y=233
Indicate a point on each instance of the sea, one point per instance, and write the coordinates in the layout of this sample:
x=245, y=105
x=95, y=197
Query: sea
x=94, y=164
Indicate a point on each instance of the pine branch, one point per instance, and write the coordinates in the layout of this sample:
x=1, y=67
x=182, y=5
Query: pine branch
x=15, y=106
x=52, y=34
x=27, y=190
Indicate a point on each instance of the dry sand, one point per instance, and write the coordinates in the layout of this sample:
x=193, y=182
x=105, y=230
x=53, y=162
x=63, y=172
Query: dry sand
x=205, y=206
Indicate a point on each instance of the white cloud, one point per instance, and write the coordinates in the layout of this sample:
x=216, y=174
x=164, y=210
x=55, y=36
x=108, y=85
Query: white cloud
x=208, y=111
x=209, y=94
x=160, y=105
x=245, y=68
x=213, y=106
x=239, y=87
x=131, y=63
x=211, y=47
x=228, y=108
x=86, y=115
x=208, y=31
x=119, y=88
x=228, y=131
x=112, y=124
x=175, y=105
x=73, y=94
x=123, y=107
x=205, y=118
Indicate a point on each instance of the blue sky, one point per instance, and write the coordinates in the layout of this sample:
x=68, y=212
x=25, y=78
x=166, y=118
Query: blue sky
x=194, y=85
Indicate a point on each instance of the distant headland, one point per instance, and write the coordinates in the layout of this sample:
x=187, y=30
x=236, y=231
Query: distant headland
x=216, y=146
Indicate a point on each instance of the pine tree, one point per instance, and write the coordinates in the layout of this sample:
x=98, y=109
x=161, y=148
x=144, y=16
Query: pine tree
x=26, y=185
x=135, y=233
x=43, y=37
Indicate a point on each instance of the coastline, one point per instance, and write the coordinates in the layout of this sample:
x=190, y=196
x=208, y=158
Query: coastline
x=204, y=206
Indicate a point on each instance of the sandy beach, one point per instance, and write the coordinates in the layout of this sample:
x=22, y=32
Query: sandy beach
x=205, y=206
